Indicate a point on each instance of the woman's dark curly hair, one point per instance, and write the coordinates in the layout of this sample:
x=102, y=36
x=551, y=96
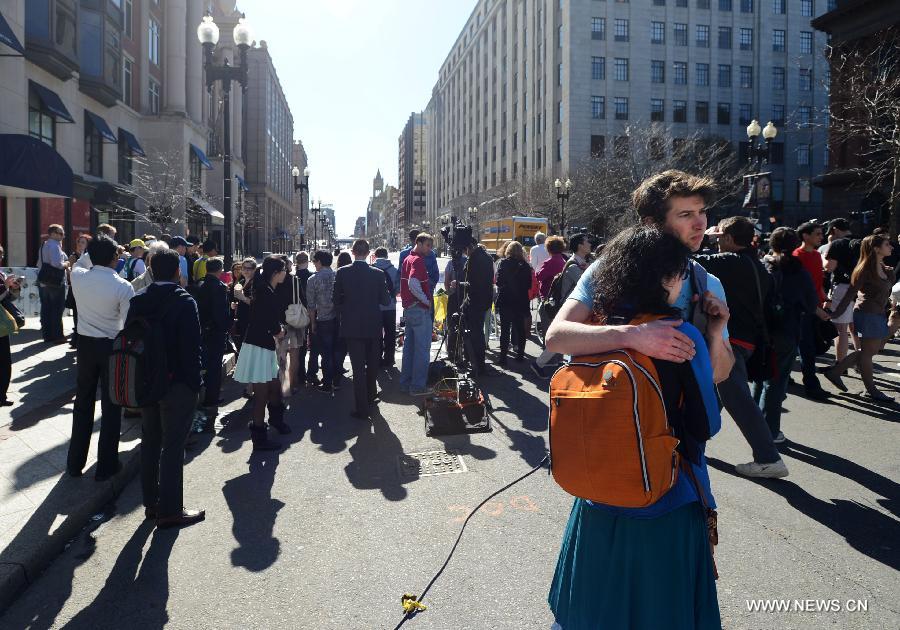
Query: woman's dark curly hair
x=629, y=278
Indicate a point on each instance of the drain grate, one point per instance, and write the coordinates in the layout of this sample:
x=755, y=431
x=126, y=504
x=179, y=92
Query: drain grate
x=429, y=463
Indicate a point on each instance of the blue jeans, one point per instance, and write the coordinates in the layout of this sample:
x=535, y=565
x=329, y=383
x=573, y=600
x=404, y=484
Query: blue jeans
x=771, y=394
x=326, y=335
x=416, y=348
x=53, y=300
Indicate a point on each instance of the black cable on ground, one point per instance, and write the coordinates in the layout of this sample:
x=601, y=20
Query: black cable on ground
x=410, y=615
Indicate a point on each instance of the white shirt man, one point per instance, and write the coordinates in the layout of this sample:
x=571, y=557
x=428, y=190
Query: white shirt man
x=538, y=253
x=103, y=298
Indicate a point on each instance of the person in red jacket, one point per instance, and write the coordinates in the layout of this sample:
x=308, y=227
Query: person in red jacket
x=809, y=256
x=553, y=265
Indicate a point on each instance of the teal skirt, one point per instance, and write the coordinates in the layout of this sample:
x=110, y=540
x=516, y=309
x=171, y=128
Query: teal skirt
x=255, y=365
x=618, y=572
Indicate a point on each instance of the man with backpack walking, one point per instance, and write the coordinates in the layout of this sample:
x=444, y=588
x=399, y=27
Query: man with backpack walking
x=167, y=312
x=748, y=288
x=389, y=312
x=103, y=301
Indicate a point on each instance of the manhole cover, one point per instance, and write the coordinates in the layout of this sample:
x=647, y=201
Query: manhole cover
x=429, y=463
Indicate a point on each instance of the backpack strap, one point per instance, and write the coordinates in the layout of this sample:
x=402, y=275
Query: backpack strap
x=712, y=517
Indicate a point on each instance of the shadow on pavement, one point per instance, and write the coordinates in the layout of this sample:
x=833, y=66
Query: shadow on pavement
x=864, y=528
x=375, y=454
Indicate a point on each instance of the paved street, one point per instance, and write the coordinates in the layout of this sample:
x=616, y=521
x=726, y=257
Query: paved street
x=327, y=534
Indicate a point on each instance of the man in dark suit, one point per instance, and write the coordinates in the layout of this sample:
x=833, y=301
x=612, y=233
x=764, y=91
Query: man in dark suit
x=359, y=292
x=215, y=320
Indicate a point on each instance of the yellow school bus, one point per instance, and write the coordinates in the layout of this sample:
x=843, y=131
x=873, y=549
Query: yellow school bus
x=495, y=233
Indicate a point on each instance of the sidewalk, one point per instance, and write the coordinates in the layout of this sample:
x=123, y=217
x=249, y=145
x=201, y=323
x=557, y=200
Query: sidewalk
x=42, y=508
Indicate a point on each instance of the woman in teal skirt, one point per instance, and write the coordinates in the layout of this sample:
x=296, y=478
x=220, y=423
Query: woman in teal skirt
x=647, y=568
x=257, y=363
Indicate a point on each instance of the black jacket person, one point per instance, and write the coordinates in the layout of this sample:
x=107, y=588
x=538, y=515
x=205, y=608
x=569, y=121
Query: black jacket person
x=215, y=321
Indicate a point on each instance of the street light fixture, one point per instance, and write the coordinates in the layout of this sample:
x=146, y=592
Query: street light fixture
x=562, y=195
x=301, y=186
x=208, y=35
x=758, y=184
x=315, y=209
x=761, y=154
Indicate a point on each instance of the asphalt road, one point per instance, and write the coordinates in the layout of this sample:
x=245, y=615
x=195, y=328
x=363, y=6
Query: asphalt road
x=326, y=534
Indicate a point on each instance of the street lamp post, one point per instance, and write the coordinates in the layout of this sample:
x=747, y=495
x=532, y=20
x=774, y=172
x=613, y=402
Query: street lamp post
x=562, y=196
x=760, y=154
x=301, y=186
x=315, y=209
x=208, y=34
x=758, y=184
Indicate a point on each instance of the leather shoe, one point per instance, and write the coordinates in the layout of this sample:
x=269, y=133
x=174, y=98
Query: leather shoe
x=150, y=513
x=109, y=475
x=187, y=517
x=74, y=473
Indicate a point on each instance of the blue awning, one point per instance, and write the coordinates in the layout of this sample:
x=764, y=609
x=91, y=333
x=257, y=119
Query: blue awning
x=31, y=168
x=8, y=37
x=101, y=126
x=52, y=102
x=201, y=156
x=242, y=184
x=132, y=142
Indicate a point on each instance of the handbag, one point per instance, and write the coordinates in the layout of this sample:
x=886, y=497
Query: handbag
x=10, y=307
x=50, y=275
x=296, y=315
x=825, y=334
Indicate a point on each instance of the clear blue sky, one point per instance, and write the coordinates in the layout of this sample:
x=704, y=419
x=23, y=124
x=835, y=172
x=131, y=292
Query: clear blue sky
x=353, y=71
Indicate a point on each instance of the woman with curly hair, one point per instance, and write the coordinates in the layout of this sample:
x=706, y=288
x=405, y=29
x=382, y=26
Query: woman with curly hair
x=257, y=363
x=652, y=567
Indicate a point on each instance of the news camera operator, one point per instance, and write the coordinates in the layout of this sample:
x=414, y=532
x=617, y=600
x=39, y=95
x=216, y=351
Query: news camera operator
x=478, y=293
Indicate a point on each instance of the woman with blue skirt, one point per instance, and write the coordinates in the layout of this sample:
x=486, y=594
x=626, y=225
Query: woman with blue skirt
x=652, y=567
x=257, y=363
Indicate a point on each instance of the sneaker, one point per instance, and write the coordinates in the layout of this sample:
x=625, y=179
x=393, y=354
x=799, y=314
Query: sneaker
x=774, y=470
x=835, y=379
x=537, y=369
x=779, y=439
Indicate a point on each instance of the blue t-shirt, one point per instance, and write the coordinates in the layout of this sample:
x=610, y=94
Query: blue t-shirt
x=183, y=267
x=584, y=292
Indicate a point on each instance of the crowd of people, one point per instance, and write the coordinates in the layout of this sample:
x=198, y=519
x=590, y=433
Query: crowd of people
x=736, y=308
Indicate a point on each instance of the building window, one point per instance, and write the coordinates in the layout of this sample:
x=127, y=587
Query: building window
x=621, y=30
x=126, y=162
x=621, y=104
x=724, y=5
x=559, y=112
x=805, y=79
x=703, y=35
x=702, y=4
x=777, y=78
x=153, y=97
x=153, y=41
x=802, y=155
x=777, y=158
x=679, y=111
x=778, y=7
x=598, y=68
x=746, y=77
x=725, y=37
x=778, y=40
x=621, y=69
x=657, y=32
x=724, y=75
x=598, y=28
x=701, y=112
x=196, y=173
x=598, y=146
x=93, y=148
x=723, y=114
x=806, y=8
x=598, y=107
x=41, y=122
x=745, y=114
x=657, y=71
x=559, y=36
x=680, y=69
x=746, y=38
x=702, y=70
x=620, y=147
x=746, y=6
x=128, y=18
x=778, y=115
x=681, y=3
x=659, y=3
x=806, y=42
x=681, y=34
x=559, y=78
x=804, y=116
x=127, y=79
x=657, y=109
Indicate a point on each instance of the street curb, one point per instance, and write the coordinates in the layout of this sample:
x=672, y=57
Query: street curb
x=18, y=573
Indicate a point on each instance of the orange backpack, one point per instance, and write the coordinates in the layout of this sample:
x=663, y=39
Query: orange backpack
x=610, y=439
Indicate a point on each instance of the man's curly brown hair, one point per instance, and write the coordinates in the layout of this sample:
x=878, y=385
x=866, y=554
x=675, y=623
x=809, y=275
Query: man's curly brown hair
x=651, y=198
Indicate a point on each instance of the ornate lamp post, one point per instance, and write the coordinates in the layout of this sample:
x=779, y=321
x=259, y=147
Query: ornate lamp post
x=758, y=184
x=208, y=35
x=562, y=196
x=315, y=209
x=473, y=217
x=301, y=186
x=761, y=154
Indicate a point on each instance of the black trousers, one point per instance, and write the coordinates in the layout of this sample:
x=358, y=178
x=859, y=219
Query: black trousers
x=92, y=357
x=5, y=366
x=364, y=358
x=389, y=332
x=213, y=351
x=512, y=320
x=475, y=334
x=165, y=430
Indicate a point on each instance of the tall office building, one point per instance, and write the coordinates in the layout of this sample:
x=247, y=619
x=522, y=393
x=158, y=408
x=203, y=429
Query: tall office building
x=531, y=88
x=412, y=171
